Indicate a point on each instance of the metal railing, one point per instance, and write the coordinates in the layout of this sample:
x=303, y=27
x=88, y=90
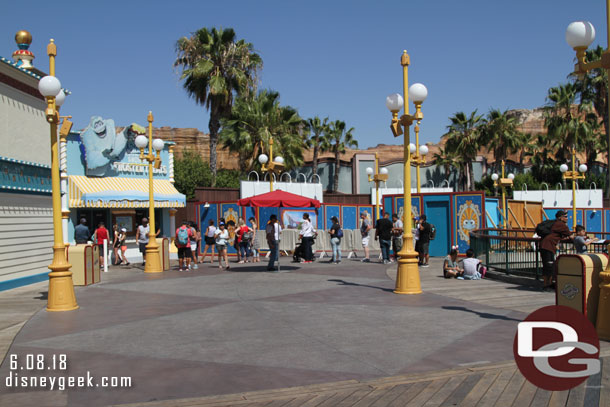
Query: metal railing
x=516, y=251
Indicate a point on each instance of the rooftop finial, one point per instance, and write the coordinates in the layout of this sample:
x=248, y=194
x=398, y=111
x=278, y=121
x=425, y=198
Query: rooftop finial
x=23, y=57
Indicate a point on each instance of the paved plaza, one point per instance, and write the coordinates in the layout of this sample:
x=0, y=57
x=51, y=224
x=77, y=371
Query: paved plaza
x=315, y=334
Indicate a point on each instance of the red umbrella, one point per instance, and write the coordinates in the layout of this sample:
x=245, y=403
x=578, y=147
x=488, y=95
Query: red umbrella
x=279, y=198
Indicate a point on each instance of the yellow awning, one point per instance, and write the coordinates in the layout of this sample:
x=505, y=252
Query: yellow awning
x=112, y=192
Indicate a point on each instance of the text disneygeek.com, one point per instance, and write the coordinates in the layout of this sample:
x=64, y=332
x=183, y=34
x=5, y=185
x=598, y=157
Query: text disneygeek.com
x=33, y=364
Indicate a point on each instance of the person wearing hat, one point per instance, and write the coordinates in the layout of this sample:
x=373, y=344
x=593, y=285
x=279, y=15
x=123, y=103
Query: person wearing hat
x=222, y=240
x=548, y=247
x=122, y=238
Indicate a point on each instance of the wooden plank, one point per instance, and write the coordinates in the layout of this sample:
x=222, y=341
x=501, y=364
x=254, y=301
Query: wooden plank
x=337, y=398
x=392, y=394
x=576, y=397
x=512, y=389
x=427, y=393
x=541, y=398
x=593, y=387
x=409, y=395
x=299, y=401
x=463, y=389
x=371, y=397
x=559, y=398
x=479, y=389
x=497, y=387
x=526, y=395
x=354, y=397
x=445, y=391
x=604, y=394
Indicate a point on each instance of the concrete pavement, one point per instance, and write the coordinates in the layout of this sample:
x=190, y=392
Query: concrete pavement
x=210, y=332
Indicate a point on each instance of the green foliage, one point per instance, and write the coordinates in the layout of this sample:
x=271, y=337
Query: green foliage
x=228, y=178
x=486, y=184
x=336, y=139
x=190, y=172
x=521, y=180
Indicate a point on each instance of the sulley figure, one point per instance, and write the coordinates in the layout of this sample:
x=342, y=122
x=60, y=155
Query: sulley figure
x=103, y=145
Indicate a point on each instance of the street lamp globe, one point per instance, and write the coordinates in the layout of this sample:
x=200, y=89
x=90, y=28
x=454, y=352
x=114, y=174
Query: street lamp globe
x=369, y=171
x=582, y=168
x=60, y=98
x=418, y=93
x=423, y=150
x=494, y=177
x=394, y=102
x=383, y=170
x=49, y=86
x=412, y=148
x=141, y=141
x=563, y=168
x=263, y=159
x=279, y=159
x=158, y=144
x=580, y=34
x=511, y=176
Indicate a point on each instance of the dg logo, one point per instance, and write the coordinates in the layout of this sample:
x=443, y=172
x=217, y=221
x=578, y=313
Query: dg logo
x=556, y=348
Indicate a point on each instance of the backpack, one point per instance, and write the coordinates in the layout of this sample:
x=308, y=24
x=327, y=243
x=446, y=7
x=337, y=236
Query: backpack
x=543, y=229
x=270, y=231
x=339, y=233
x=246, y=236
x=432, y=231
x=183, y=236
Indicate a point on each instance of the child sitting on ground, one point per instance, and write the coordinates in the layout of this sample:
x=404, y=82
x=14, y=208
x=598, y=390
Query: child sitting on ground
x=581, y=241
x=473, y=270
x=450, y=266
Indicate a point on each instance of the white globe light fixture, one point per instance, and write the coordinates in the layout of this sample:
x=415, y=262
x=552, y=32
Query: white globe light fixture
x=412, y=148
x=582, y=168
x=158, y=144
x=279, y=160
x=383, y=170
x=563, y=168
x=60, y=98
x=511, y=176
x=423, y=150
x=418, y=93
x=263, y=159
x=580, y=34
x=494, y=177
x=394, y=102
x=141, y=141
x=49, y=86
x=369, y=171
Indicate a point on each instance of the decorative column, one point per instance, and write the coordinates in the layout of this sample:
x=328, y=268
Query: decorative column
x=63, y=168
x=172, y=227
x=171, y=164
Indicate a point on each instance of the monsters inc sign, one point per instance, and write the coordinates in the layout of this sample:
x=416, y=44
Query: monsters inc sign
x=108, y=153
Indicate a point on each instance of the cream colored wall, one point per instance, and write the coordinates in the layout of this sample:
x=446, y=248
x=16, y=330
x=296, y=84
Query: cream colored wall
x=26, y=235
x=24, y=131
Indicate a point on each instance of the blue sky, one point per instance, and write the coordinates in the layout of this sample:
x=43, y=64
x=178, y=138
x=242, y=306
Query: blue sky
x=329, y=58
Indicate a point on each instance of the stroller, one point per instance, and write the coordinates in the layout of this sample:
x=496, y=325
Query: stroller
x=299, y=251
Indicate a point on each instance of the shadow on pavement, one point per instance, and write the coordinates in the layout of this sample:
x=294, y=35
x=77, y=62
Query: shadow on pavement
x=44, y=296
x=343, y=282
x=481, y=314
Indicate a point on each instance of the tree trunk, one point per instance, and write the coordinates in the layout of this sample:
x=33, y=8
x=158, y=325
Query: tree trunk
x=316, y=148
x=336, y=177
x=214, y=126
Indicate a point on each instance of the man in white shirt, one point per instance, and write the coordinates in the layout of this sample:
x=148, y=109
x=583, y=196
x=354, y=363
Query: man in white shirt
x=306, y=235
x=273, y=231
x=396, y=235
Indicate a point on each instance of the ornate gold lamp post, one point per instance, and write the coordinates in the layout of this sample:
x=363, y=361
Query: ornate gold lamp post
x=574, y=176
x=504, y=182
x=407, y=277
x=419, y=159
x=61, y=287
x=153, y=261
x=275, y=166
x=377, y=176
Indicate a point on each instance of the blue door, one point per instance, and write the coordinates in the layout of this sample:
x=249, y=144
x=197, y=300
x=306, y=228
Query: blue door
x=437, y=213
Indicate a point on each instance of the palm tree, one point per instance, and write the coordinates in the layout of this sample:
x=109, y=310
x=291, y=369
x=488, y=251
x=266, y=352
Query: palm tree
x=253, y=121
x=215, y=67
x=337, y=139
x=447, y=159
x=463, y=139
x=316, y=128
x=500, y=134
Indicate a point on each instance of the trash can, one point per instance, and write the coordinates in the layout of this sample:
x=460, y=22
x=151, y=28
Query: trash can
x=85, y=261
x=164, y=252
x=578, y=282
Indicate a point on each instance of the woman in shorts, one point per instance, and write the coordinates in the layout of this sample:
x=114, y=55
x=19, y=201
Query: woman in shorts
x=209, y=239
x=222, y=240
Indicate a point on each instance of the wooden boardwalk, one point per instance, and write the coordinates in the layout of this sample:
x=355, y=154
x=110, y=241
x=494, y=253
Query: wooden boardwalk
x=493, y=385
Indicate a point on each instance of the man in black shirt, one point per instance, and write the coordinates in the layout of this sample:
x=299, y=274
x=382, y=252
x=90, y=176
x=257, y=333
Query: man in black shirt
x=383, y=231
x=424, y=241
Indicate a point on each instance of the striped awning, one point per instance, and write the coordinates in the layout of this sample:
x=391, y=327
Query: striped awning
x=112, y=192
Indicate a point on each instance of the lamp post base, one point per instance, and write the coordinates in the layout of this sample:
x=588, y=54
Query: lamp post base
x=153, y=260
x=603, y=309
x=407, y=276
x=61, y=295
